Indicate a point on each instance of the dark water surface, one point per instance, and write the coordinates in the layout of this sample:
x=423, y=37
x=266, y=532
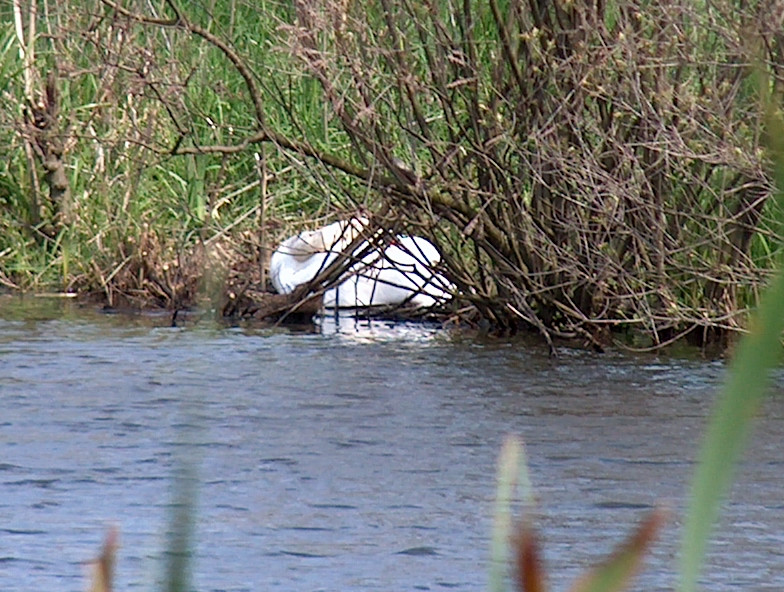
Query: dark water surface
x=350, y=460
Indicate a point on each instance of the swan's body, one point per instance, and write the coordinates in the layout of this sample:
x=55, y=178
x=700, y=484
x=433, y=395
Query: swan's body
x=299, y=258
x=401, y=274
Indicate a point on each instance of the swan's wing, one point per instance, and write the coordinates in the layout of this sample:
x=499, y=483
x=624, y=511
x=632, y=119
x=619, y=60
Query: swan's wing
x=402, y=274
x=301, y=257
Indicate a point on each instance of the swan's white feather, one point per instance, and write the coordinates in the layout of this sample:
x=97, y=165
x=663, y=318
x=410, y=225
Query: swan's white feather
x=402, y=273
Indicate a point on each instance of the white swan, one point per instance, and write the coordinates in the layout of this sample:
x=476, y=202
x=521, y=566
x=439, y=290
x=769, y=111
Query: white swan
x=401, y=274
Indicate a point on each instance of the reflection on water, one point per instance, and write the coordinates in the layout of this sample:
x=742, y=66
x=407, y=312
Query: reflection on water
x=358, y=458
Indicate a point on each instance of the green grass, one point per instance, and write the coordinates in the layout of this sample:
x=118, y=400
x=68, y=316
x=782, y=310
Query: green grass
x=109, y=112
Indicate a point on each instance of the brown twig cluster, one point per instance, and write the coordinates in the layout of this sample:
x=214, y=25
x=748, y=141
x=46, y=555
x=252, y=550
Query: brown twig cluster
x=583, y=166
x=590, y=164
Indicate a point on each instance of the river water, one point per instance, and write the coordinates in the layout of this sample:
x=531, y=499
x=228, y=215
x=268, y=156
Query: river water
x=359, y=457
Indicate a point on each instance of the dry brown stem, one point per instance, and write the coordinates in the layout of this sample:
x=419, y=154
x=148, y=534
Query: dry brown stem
x=590, y=166
x=42, y=128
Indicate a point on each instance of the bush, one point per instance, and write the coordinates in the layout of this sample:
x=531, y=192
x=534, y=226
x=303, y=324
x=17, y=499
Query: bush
x=585, y=167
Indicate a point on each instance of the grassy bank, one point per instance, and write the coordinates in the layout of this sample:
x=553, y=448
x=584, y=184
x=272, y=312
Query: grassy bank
x=586, y=170
x=137, y=223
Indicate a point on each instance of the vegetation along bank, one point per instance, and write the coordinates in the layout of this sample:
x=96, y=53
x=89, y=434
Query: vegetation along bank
x=587, y=170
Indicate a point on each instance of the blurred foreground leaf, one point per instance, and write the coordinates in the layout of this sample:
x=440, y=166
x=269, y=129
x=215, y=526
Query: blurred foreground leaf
x=512, y=477
x=530, y=569
x=615, y=574
x=757, y=353
x=181, y=526
x=103, y=567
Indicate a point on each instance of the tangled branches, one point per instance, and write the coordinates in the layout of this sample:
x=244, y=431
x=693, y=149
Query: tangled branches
x=584, y=166
x=590, y=165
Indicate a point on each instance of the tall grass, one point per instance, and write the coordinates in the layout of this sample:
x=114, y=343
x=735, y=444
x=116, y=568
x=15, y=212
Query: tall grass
x=129, y=94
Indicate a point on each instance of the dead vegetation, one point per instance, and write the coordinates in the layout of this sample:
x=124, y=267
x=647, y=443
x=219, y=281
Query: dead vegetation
x=589, y=165
x=585, y=168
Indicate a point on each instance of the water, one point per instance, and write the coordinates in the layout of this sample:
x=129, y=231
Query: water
x=349, y=460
